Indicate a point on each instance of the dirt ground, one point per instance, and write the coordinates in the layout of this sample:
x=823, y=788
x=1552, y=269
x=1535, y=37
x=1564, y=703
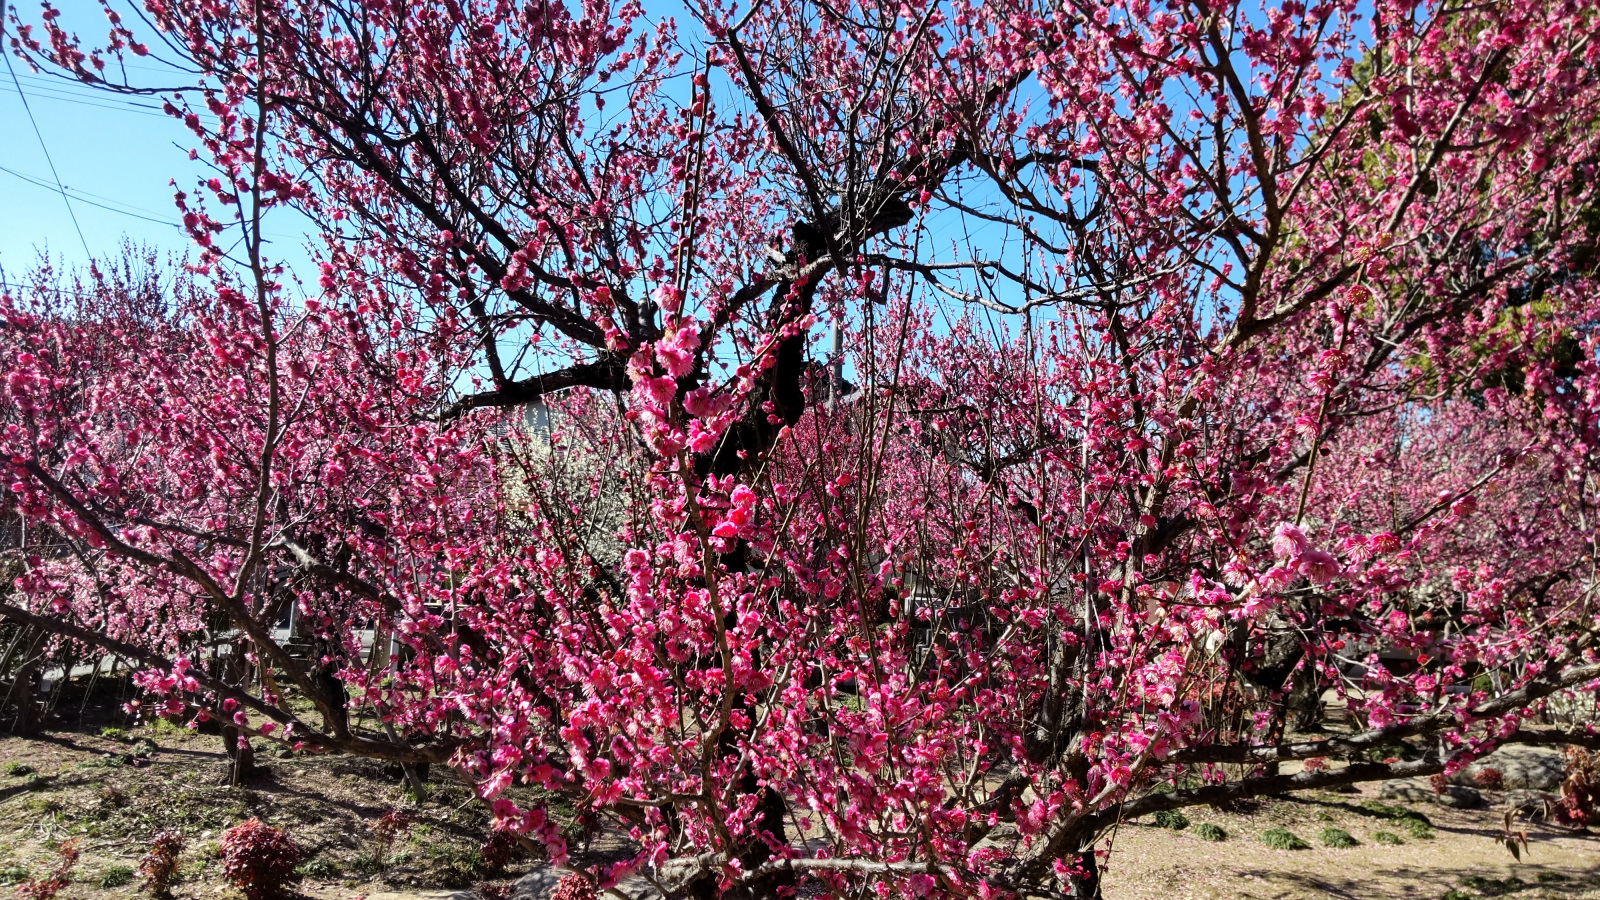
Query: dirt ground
x=114, y=792
x=1464, y=854
x=113, y=787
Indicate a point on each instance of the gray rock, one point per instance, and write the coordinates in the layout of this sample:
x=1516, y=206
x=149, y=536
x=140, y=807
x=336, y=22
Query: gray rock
x=1406, y=791
x=539, y=884
x=1536, y=805
x=1459, y=797
x=1521, y=767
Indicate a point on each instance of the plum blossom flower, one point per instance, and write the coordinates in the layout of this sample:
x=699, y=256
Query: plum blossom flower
x=1318, y=565
x=1288, y=541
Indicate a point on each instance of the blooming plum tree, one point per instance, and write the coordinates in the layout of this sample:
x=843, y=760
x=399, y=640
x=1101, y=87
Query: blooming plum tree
x=1207, y=358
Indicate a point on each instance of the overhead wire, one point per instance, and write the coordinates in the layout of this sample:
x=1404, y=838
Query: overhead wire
x=45, y=149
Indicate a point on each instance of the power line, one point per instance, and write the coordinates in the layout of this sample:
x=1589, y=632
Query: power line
x=79, y=196
x=52, y=163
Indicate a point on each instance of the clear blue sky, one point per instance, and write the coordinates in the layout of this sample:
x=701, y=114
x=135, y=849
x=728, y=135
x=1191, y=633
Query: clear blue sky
x=115, y=156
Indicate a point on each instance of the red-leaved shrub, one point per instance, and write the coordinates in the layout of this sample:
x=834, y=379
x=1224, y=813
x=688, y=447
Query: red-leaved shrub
x=1580, y=792
x=574, y=887
x=258, y=859
x=160, y=865
x=493, y=890
x=500, y=848
x=46, y=887
x=1438, y=782
x=1490, y=779
x=389, y=827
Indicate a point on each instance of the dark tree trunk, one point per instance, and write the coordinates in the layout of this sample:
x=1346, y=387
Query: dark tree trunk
x=1305, y=699
x=1084, y=881
x=241, y=756
x=24, y=693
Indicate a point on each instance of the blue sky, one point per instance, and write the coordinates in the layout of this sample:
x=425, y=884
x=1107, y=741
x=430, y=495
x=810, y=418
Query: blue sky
x=114, y=155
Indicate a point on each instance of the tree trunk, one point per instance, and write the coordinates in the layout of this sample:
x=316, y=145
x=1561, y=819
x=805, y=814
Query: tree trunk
x=241, y=756
x=1305, y=699
x=1083, y=880
x=23, y=691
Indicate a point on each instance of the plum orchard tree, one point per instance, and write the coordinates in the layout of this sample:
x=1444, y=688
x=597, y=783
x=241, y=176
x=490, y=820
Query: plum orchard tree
x=1203, y=353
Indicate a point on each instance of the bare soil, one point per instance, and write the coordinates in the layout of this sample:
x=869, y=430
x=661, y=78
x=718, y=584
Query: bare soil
x=113, y=787
x=114, y=792
x=1465, y=854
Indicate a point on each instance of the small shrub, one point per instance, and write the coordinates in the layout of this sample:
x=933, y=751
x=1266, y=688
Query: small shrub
x=258, y=859
x=389, y=826
x=116, y=876
x=574, y=887
x=1580, y=791
x=493, y=890
x=13, y=873
x=1490, y=779
x=1337, y=838
x=367, y=865
x=1283, y=839
x=1316, y=764
x=120, y=735
x=159, y=868
x=320, y=868
x=1171, y=818
x=1550, y=877
x=1417, y=828
x=18, y=770
x=46, y=887
x=454, y=866
x=1454, y=894
x=1438, y=782
x=1493, y=887
x=1210, y=832
x=499, y=850
x=1387, y=837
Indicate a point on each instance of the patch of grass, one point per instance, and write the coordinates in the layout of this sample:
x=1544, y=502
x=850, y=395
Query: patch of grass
x=116, y=876
x=1210, y=832
x=1418, y=829
x=1387, y=837
x=1337, y=838
x=1283, y=839
x=1171, y=818
x=367, y=865
x=1550, y=877
x=120, y=735
x=1414, y=824
x=1392, y=751
x=320, y=868
x=1493, y=887
x=1454, y=894
x=108, y=761
x=17, y=770
x=455, y=866
x=13, y=873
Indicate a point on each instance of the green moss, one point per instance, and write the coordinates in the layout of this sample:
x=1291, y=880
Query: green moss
x=1283, y=839
x=1337, y=838
x=1210, y=832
